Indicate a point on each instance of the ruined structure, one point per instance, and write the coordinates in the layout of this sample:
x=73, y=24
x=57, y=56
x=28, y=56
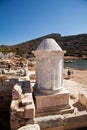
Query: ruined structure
x=50, y=106
x=49, y=78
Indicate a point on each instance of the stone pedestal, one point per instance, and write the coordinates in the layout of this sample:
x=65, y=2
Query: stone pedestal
x=52, y=104
x=50, y=96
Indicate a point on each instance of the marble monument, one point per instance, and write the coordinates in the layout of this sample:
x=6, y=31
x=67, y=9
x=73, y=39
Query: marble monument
x=50, y=95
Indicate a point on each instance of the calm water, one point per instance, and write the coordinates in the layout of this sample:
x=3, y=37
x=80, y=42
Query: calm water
x=76, y=64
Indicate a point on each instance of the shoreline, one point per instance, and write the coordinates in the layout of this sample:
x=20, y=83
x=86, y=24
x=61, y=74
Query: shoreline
x=74, y=58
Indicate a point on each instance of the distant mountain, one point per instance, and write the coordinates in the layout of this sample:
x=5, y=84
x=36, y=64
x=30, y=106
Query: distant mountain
x=75, y=45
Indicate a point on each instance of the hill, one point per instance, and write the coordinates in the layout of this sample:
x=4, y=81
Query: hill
x=75, y=45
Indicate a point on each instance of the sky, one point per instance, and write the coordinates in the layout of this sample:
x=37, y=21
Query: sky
x=24, y=20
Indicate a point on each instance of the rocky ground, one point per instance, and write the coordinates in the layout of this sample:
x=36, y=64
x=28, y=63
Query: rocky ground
x=77, y=83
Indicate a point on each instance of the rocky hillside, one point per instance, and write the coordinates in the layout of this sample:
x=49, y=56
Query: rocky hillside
x=75, y=45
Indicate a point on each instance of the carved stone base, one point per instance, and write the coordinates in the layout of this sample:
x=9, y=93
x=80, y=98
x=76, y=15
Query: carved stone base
x=52, y=104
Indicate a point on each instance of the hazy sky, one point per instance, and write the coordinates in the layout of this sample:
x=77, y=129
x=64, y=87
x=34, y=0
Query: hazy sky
x=23, y=20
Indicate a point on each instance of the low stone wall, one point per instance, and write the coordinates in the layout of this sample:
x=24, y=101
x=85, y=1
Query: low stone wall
x=6, y=94
x=62, y=122
x=22, y=106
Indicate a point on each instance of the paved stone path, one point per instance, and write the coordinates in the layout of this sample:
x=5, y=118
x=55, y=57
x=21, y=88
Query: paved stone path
x=74, y=87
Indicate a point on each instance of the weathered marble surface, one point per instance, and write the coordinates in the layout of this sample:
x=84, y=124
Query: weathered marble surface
x=53, y=102
x=22, y=106
x=30, y=127
x=49, y=65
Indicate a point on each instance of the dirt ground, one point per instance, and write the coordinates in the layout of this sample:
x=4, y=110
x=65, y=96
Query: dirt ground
x=78, y=75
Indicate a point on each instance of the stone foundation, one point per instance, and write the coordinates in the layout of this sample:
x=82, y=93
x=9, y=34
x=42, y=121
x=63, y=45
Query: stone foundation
x=62, y=122
x=50, y=104
x=23, y=112
x=6, y=94
x=22, y=106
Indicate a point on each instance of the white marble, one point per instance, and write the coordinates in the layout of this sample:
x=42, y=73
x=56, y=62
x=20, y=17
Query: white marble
x=49, y=66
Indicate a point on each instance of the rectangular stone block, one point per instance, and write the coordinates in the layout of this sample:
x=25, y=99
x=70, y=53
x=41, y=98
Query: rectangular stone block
x=29, y=111
x=16, y=92
x=14, y=125
x=27, y=99
x=14, y=105
x=75, y=121
x=52, y=101
x=30, y=121
x=82, y=98
x=13, y=116
x=55, y=128
x=20, y=112
x=50, y=122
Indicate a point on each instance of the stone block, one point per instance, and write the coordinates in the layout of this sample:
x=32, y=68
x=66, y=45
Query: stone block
x=16, y=92
x=75, y=121
x=30, y=127
x=13, y=116
x=30, y=121
x=14, y=125
x=27, y=99
x=14, y=105
x=55, y=128
x=82, y=98
x=52, y=102
x=50, y=122
x=20, y=112
x=29, y=111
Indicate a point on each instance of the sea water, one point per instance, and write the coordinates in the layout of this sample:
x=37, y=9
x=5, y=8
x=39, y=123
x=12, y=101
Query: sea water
x=76, y=64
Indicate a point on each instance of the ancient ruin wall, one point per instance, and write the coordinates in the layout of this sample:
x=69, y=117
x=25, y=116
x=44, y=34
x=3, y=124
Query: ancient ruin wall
x=6, y=94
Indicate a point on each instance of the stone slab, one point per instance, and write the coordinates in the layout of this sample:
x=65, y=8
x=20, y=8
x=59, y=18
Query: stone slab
x=27, y=99
x=75, y=120
x=63, y=122
x=65, y=110
x=20, y=112
x=30, y=121
x=14, y=124
x=30, y=127
x=12, y=116
x=29, y=111
x=14, y=105
x=52, y=122
x=55, y=128
x=46, y=103
x=82, y=98
x=16, y=92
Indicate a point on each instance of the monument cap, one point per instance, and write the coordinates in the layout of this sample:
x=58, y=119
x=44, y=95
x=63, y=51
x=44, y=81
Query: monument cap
x=49, y=44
